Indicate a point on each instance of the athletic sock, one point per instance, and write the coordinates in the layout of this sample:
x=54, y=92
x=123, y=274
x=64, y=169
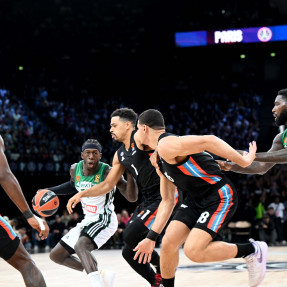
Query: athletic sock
x=245, y=249
x=96, y=279
x=167, y=282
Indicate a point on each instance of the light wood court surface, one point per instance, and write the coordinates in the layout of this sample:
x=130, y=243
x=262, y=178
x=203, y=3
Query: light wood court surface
x=226, y=273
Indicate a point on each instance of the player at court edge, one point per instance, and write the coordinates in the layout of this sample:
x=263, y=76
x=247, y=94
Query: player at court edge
x=134, y=157
x=277, y=154
x=210, y=201
x=100, y=221
x=11, y=248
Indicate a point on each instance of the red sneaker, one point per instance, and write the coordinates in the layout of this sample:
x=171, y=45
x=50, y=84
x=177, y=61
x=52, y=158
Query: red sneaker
x=157, y=282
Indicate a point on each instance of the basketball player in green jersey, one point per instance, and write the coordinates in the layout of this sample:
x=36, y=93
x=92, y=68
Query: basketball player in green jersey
x=100, y=221
x=277, y=154
x=11, y=248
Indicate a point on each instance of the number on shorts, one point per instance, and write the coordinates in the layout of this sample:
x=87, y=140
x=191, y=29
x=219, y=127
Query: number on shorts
x=145, y=214
x=203, y=217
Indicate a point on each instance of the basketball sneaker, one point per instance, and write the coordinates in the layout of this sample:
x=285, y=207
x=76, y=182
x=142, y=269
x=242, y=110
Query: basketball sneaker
x=256, y=263
x=108, y=277
x=157, y=282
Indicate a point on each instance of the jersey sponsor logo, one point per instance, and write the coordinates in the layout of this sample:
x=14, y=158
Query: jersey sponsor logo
x=97, y=178
x=91, y=208
x=85, y=185
x=184, y=206
x=169, y=177
x=78, y=178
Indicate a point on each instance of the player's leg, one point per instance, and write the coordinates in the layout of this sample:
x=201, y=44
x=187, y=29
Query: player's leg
x=216, y=211
x=174, y=237
x=136, y=231
x=22, y=261
x=92, y=237
x=14, y=252
x=62, y=252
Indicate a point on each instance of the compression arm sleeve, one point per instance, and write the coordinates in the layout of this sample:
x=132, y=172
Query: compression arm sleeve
x=64, y=188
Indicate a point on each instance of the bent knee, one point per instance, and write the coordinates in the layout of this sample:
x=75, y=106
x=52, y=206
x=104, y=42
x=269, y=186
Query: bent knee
x=193, y=253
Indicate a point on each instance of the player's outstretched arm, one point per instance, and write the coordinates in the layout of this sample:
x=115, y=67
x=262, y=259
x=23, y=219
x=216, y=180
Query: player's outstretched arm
x=145, y=248
x=263, y=161
x=171, y=147
x=12, y=187
x=102, y=188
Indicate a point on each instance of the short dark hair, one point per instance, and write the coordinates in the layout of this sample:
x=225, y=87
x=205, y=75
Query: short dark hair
x=283, y=93
x=126, y=114
x=92, y=143
x=152, y=118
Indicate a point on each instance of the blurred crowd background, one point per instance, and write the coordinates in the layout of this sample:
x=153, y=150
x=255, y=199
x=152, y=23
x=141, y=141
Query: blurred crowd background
x=66, y=65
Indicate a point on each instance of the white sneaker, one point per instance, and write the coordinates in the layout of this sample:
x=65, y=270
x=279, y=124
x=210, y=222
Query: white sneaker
x=108, y=277
x=256, y=263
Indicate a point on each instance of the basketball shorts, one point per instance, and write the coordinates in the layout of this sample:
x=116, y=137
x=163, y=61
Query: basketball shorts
x=211, y=212
x=145, y=213
x=98, y=228
x=9, y=241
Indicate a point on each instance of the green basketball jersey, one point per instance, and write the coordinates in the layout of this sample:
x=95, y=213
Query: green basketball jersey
x=93, y=205
x=284, y=139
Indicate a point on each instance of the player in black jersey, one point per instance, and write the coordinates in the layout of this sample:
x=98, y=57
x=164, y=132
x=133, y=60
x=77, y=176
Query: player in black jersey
x=11, y=248
x=210, y=202
x=135, y=158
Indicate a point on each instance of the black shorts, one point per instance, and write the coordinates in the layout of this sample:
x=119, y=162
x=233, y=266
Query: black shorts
x=146, y=213
x=212, y=212
x=9, y=241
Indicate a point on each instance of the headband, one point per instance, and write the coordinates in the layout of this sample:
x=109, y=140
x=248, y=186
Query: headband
x=92, y=146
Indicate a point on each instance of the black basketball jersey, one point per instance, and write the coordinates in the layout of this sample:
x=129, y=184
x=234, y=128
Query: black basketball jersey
x=137, y=162
x=195, y=175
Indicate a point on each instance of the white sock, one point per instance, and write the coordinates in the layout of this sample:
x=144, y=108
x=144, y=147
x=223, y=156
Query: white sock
x=96, y=279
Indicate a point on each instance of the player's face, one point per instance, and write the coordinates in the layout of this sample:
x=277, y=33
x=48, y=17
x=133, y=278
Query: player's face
x=91, y=158
x=141, y=135
x=118, y=129
x=280, y=110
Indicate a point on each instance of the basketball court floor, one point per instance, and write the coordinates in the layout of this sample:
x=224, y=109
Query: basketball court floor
x=227, y=273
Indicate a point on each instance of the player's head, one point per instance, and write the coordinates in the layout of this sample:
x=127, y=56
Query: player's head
x=91, y=154
x=153, y=119
x=280, y=108
x=122, y=121
x=149, y=121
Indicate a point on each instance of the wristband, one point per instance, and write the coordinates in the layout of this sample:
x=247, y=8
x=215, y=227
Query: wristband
x=152, y=235
x=28, y=213
x=40, y=221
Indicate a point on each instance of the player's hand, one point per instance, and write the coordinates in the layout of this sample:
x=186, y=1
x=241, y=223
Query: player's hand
x=144, y=250
x=73, y=201
x=224, y=165
x=40, y=225
x=154, y=158
x=250, y=156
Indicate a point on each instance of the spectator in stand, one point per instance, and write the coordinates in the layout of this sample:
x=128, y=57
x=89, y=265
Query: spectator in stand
x=266, y=230
x=279, y=210
x=118, y=236
x=57, y=230
x=125, y=216
x=22, y=234
x=74, y=219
